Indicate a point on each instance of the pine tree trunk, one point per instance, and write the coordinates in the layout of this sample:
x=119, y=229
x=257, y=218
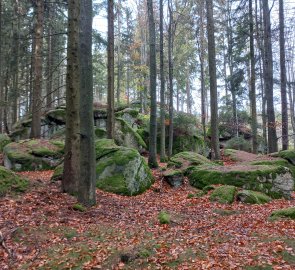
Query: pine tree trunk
x=72, y=143
x=1, y=75
x=87, y=180
x=162, y=90
x=213, y=82
x=49, y=61
x=152, y=161
x=111, y=101
x=170, y=75
x=119, y=53
x=252, y=82
x=268, y=81
x=37, y=71
x=283, y=78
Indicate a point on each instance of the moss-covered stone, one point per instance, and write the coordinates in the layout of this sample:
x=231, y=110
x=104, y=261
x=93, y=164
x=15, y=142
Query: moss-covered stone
x=275, y=181
x=58, y=172
x=223, y=194
x=100, y=133
x=164, y=217
x=252, y=197
x=4, y=140
x=121, y=170
x=283, y=213
x=31, y=155
x=11, y=182
x=174, y=177
x=57, y=116
x=184, y=160
x=129, y=115
x=126, y=136
x=238, y=143
x=289, y=155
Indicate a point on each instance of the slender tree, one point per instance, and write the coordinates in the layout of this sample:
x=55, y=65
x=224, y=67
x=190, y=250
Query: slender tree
x=37, y=70
x=86, y=191
x=268, y=80
x=72, y=143
x=283, y=77
x=162, y=90
x=110, y=112
x=152, y=161
x=1, y=77
x=252, y=82
x=213, y=82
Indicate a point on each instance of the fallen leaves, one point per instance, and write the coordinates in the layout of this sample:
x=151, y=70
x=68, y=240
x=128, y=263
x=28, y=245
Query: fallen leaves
x=202, y=235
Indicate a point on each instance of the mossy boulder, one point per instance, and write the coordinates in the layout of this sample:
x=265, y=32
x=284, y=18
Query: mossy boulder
x=11, y=182
x=174, y=177
x=289, y=155
x=252, y=197
x=129, y=115
x=121, y=170
x=58, y=172
x=30, y=155
x=223, y=194
x=57, y=116
x=283, y=213
x=238, y=143
x=126, y=136
x=275, y=181
x=4, y=140
x=184, y=160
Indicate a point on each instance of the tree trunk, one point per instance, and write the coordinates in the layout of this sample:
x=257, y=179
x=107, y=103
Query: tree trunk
x=119, y=52
x=87, y=180
x=37, y=71
x=268, y=81
x=285, y=139
x=170, y=75
x=252, y=83
x=1, y=76
x=162, y=90
x=71, y=173
x=152, y=161
x=49, y=61
x=213, y=82
x=111, y=101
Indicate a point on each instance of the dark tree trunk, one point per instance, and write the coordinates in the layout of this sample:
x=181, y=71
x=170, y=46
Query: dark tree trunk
x=252, y=83
x=111, y=101
x=268, y=81
x=162, y=90
x=283, y=78
x=71, y=173
x=1, y=76
x=213, y=82
x=152, y=161
x=49, y=61
x=37, y=71
x=86, y=191
x=170, y=75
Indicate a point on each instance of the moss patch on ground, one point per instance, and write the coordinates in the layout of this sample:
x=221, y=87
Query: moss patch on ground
x=252, y=197
x=10, y=182
x=223, y=194
x=4, y=140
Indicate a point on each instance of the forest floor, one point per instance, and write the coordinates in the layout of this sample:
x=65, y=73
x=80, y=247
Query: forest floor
x=41, y=230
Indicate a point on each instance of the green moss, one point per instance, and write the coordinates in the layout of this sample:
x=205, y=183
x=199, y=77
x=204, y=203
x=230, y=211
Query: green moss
x=57, y=115
x=204, y=175
x=58, y=173
x=197, y=194
x=126, y=128
x=104, y=147
x=164, y=217
x=208, y=188
x=114, y=184
x=10, y=182
x=4, y=140
x=133, y=112
x=100, y=133
x=238, y=143
x=253, y=197
x=223, y=194
x=287, y=154
x=283, y=213
x=79, y=207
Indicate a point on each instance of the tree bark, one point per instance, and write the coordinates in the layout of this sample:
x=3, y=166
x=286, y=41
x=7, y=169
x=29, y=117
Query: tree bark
x=213, y=82
x=1, y=76
x=252, y=83
x=49, y=61
x=72, y=143
x=111, y=101
x=37, y=71
x=285, y=139
x=268, y=81
x=87, y=179
x=162, y=89
x=152, y=161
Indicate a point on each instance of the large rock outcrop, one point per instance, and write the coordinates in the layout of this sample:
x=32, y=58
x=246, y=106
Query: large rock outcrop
x=275, y=181
x=30, y=155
